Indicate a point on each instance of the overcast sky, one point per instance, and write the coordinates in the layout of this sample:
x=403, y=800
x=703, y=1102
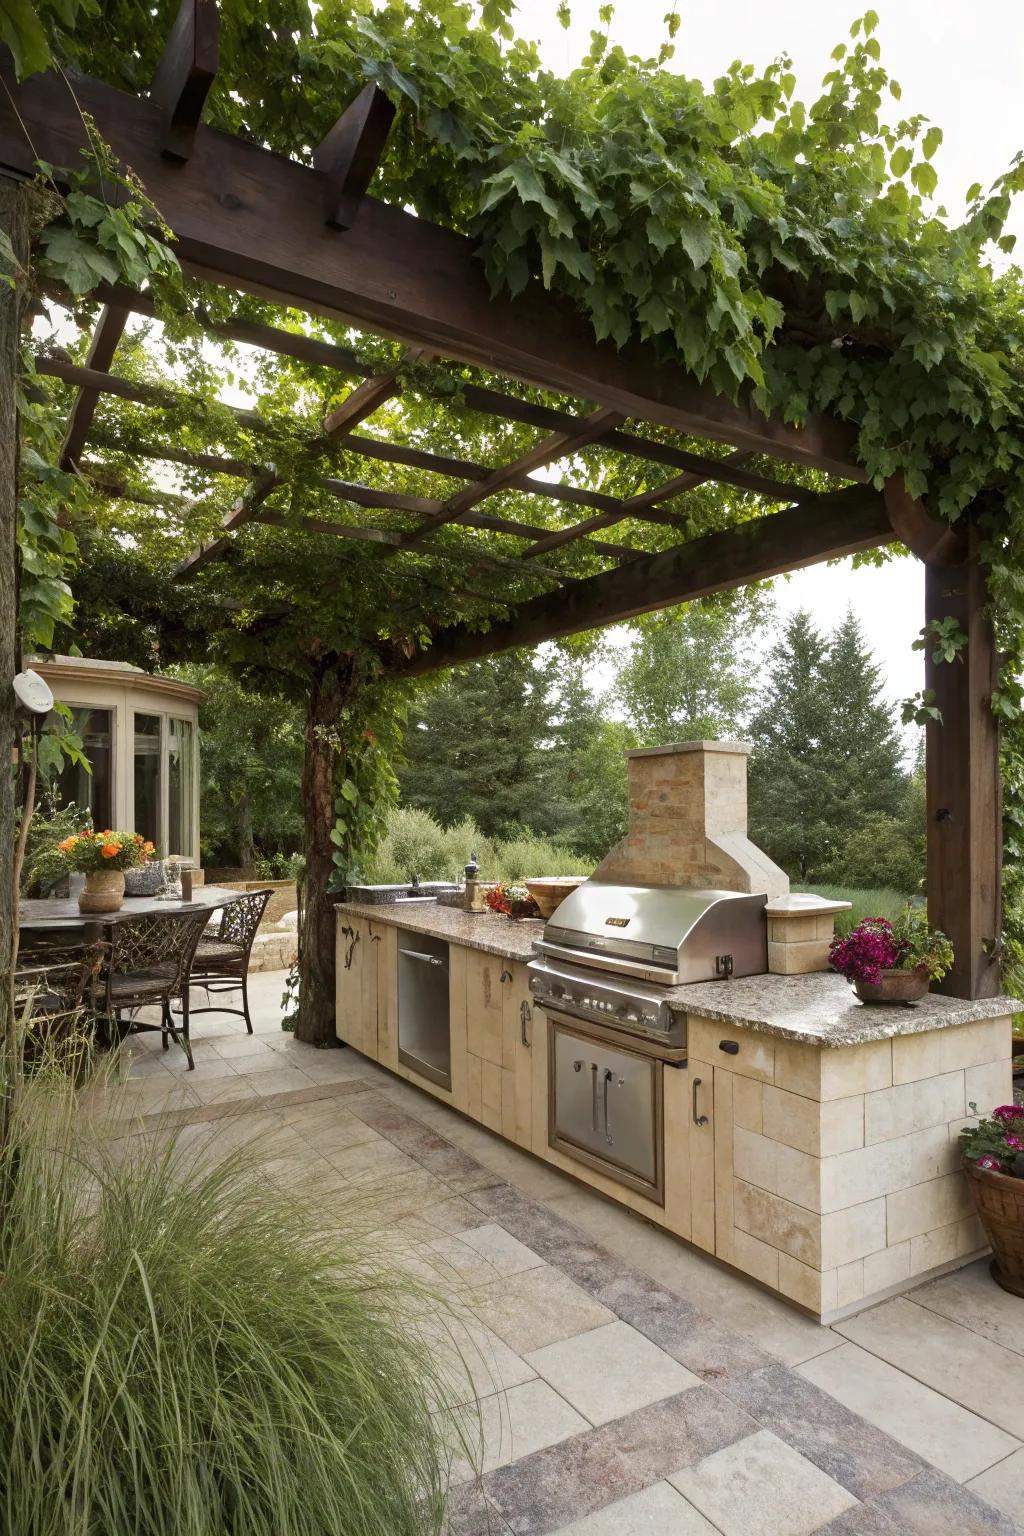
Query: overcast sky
x=960, y=65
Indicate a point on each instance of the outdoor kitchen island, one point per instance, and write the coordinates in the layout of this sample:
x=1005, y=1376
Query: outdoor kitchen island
x=765, y=1116
x=807, y=1140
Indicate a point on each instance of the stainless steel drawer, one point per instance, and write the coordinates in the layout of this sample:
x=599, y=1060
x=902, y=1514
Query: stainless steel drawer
x=606, y=1108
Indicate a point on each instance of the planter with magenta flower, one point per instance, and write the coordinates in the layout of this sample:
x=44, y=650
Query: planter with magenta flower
x=892, y=962
x=993, y=1153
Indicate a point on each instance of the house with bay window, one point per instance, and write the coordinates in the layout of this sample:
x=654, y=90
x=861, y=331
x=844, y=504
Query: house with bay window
x=141, y=736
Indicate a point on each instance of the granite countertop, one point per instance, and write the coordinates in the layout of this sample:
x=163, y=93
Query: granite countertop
x=819, y=1009
x=492, y=932
x=822, y=1009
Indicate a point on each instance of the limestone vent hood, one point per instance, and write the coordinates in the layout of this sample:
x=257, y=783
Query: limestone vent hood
x=688, y=823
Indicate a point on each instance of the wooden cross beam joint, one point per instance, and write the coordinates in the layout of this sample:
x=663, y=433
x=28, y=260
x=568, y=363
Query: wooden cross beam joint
x=185, y=72
x=350, y=153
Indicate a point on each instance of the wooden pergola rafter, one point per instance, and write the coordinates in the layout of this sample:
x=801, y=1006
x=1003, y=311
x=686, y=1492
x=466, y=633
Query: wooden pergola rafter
x=311, y=237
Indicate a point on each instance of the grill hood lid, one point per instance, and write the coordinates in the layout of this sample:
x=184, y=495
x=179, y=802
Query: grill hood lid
x=641, y=922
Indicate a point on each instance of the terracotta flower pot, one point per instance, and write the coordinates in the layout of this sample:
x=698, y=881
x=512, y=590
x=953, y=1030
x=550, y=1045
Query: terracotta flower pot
x=103, y=891
x=999, y=1202
x=894, y=987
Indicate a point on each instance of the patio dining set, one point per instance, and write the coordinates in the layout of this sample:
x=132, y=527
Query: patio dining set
x=149, y=955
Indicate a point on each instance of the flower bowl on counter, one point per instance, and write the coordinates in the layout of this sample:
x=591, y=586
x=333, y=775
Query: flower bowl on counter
x=892, y=962
x=512, y=900
x=549, y=891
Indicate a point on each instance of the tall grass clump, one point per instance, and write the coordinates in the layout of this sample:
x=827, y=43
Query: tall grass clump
x=186, y=1353
x=876, y=901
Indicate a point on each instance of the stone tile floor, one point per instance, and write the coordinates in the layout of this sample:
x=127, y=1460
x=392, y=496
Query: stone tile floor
x=615, y=1381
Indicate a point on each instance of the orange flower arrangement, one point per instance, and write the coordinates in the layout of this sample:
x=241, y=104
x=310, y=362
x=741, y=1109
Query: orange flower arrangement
x=89, y=850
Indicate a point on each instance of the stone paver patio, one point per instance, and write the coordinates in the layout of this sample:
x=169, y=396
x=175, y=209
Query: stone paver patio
x=614, y=1381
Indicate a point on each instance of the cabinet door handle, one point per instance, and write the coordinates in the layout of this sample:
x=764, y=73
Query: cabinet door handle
x=607, y=1123
x=697, y=1119
x=524, y=1019
x=593, y=1095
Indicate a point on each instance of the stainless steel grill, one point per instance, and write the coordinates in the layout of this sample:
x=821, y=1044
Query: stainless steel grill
x=610, y=951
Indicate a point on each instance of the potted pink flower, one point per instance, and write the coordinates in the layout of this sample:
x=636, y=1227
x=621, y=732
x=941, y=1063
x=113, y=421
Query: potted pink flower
x=892, y=962
x=993, y=1153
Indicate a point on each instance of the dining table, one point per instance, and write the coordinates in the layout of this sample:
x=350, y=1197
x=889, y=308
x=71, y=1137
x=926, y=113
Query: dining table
x=44, y=916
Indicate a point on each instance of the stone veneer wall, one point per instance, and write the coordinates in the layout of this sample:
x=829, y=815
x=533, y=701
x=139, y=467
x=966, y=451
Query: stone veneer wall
x=839, y=1172
x=688, y=822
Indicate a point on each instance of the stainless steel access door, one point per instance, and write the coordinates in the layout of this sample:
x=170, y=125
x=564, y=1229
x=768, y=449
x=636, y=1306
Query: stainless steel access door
x=606, y=1109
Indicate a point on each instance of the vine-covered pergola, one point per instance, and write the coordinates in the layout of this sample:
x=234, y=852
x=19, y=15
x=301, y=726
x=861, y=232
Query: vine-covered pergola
x=312, y=238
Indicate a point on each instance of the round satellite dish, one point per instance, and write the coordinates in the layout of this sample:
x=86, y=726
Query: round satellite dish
x=32, y=693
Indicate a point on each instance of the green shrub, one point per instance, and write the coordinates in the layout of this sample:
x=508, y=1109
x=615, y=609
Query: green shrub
x=415, y=844
x=44, y=868
x=186, y=1354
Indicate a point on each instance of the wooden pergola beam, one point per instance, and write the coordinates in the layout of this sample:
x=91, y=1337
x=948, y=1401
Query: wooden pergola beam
x=241, y=470
x=588, y=429
x=632, y=506
x=109, y=329
x=365, y=399
x=368, y=397
x=489, y=402
x=350, y=153
x=184, y=74
x=477, y=559
x=842, y=523
x=396, y=274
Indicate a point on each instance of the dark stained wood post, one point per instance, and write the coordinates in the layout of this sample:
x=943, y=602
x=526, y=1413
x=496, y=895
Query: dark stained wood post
x=14, y=223
x=964, y=786
x=964, y=796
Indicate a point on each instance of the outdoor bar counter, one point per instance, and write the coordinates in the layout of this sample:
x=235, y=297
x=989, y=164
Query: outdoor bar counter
x=807, y=1140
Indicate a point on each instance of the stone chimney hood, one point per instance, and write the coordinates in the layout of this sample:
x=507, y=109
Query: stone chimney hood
x=688, y=822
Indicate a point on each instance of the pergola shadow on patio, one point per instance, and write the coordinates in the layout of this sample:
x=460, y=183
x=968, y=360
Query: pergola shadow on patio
x=311, y=238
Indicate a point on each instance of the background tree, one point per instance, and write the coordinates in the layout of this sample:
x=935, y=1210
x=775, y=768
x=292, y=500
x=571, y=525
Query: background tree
x=690, y=672
x=827, y=754
x=250, y=770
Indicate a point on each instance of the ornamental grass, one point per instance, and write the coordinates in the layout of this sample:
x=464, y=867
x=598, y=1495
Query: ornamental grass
x=187, y=1353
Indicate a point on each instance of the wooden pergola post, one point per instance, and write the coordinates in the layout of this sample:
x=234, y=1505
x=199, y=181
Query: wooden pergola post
x=964, y=793
x=964, y=786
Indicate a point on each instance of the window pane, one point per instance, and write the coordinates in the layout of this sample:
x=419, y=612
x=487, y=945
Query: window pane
x=181, y=783
x=147, y=776
x=91, y=792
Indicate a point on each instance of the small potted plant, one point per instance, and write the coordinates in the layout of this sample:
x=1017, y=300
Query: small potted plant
x=892, y=962
x=514, y=900
x=993, y=1153
x=103, y=858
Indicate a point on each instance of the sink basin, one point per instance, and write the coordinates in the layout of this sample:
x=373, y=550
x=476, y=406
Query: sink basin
x=405, y=895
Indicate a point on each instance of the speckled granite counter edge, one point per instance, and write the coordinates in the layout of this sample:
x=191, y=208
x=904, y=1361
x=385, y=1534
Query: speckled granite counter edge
x=487, y=931
x=819, y=1009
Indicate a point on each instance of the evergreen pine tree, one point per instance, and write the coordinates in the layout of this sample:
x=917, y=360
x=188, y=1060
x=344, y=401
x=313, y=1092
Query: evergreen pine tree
x=484, y=744
x=787, y=771
x=828, y=758
x=860, y=740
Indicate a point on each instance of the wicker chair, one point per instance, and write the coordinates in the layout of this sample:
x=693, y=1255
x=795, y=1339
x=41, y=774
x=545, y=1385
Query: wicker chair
x=150, y=958
x=55, y=986
x=221, y=962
